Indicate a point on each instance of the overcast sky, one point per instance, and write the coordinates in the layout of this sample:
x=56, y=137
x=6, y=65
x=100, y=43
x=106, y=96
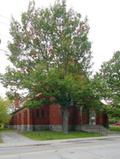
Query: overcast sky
x=104, y=21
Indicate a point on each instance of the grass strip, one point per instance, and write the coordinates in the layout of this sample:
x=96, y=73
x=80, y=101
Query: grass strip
x=50, y=135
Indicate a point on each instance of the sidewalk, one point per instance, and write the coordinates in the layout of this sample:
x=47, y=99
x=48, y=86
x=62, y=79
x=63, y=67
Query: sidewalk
x=13, y=139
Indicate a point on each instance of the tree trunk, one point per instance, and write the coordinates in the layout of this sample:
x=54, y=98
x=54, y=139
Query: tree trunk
x=65, y=120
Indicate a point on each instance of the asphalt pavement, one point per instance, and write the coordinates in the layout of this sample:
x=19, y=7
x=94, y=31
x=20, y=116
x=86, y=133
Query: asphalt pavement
x=88, y=148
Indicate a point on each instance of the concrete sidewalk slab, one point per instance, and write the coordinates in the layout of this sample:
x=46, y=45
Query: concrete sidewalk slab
x=14, y=138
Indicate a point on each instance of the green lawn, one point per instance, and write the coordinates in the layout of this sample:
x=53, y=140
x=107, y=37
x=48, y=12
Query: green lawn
x=50, y=135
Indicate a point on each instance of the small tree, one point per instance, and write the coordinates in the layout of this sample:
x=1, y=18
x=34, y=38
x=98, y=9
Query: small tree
x=108, y=84
x=4, y=115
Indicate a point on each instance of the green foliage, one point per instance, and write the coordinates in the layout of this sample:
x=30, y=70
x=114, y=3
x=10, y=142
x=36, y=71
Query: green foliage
x=110, y=73
x=113, y=119
x=1, y=140
x=67, y=91
x=4, y=116
x=32, y=103
x=47, y=38
x=115, y=128
x=108, y=80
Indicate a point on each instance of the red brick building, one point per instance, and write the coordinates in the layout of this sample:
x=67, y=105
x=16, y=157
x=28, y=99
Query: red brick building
x=50, y=117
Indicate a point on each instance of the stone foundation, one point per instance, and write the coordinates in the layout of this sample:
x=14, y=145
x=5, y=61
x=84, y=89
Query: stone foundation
x=55, y=127
x=40, y=127
x=18, y=127
x=94, y=128
x=29, y=127
x=86, y=128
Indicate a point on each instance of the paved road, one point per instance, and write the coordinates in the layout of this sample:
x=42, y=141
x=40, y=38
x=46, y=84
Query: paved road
x=107, y=148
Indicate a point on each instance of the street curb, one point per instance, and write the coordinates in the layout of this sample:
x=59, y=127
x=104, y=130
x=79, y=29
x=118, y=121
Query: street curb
x=50, y=142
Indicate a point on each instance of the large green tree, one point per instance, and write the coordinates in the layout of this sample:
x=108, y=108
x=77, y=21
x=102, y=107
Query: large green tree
x=51, y=37
x=49, y=40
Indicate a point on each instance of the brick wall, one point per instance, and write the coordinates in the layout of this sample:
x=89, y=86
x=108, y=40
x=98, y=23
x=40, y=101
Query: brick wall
x=102, y=119
x=55, y=116
x=52, y=116
x=40, y=115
